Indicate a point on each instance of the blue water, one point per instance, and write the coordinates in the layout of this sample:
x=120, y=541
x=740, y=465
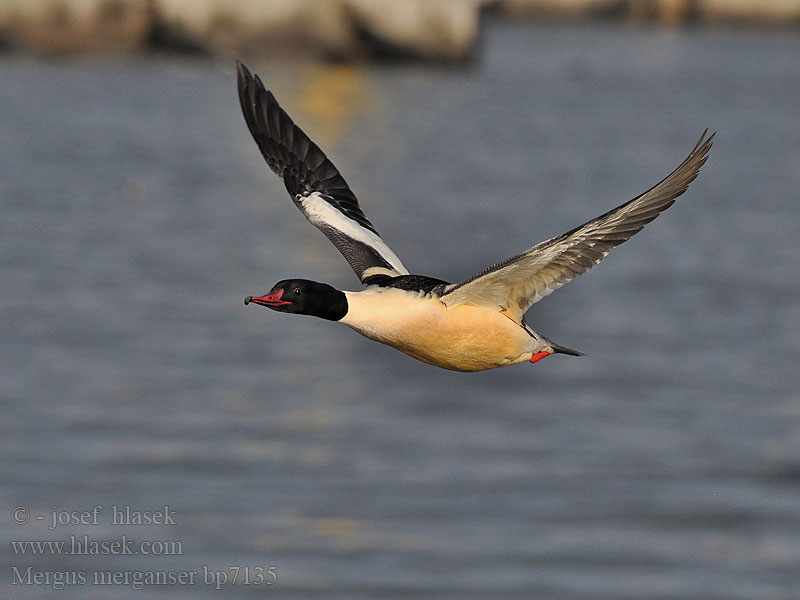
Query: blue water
x=665, y=464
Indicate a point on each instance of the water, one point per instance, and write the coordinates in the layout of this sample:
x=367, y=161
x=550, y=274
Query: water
x=137, y=214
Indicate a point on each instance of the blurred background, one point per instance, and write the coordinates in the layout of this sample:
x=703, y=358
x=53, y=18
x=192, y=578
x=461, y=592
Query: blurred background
x=137, y=213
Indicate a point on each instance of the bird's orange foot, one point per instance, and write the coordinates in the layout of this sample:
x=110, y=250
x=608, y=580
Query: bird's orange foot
x=539, y=356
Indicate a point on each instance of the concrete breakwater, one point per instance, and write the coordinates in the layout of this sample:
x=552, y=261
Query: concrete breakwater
x=445, y=30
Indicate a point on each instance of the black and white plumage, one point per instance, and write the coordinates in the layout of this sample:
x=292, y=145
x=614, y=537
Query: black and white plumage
x=315, y=185
x=473, y=325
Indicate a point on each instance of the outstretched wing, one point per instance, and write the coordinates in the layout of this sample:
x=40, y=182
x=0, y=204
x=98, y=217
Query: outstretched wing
x=315, y=185
x=515, y=284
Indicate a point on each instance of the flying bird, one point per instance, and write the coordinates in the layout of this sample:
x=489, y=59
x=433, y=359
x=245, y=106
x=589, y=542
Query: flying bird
x=471, y=325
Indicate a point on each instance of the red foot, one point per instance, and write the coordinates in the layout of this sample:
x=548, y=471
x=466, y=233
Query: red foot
x=539, y=356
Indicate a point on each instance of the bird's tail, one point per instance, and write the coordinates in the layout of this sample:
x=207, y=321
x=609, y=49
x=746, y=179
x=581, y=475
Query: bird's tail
x=563, y=350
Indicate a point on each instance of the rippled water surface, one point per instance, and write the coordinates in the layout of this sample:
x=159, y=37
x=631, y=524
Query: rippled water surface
x=137, y=213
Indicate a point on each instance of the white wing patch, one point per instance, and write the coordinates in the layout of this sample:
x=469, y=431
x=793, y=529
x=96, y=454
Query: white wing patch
x=320, y=212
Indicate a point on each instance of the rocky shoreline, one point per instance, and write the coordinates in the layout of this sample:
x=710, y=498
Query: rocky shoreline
x=438, y=30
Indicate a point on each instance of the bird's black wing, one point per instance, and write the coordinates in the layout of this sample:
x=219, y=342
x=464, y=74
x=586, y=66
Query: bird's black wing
x=315, y=185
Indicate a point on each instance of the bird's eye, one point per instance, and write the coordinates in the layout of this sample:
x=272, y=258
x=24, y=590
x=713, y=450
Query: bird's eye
x=296, y=291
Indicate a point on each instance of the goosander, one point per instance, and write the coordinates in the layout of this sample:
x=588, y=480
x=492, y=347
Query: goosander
x=471, y=325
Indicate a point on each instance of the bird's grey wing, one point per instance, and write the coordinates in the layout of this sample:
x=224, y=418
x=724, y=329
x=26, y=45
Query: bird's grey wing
x=315, y=185
x=517, y=283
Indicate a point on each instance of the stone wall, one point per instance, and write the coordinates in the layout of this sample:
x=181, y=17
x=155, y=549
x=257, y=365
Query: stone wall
x=445, y=30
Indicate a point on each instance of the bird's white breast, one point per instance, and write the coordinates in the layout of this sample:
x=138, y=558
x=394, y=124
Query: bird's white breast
x=461, y=338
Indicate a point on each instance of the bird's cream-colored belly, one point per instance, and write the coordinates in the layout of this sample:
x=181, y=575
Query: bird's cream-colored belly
x=461, y=338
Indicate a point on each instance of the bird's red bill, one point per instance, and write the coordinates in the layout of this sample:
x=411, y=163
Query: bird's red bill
x=271, y=299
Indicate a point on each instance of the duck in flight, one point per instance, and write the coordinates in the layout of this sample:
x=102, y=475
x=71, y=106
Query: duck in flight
x=471, y=325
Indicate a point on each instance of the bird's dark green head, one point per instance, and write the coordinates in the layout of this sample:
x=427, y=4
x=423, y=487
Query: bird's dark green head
x=304, y=297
